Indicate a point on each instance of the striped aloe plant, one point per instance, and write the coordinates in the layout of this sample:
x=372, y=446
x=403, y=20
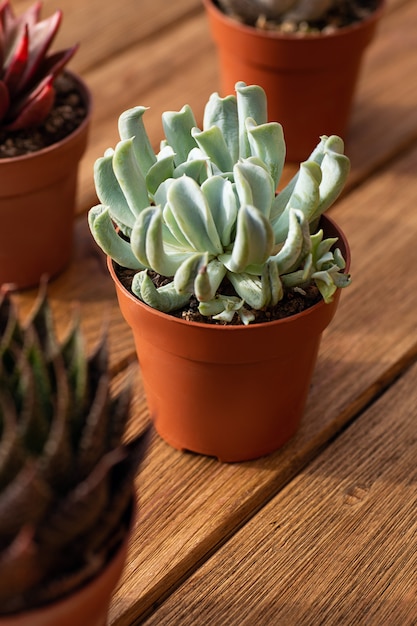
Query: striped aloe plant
x=66, y=475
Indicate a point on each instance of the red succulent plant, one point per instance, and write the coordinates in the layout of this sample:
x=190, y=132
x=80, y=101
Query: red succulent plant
x=27, y=71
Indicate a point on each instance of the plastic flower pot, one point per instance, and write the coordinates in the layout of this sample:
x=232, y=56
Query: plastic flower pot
x=309, y=80
x=86, y=605
x=232, y=392
x=37, y=201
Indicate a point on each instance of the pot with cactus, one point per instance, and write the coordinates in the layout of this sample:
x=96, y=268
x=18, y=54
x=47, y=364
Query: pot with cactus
x=306, y=54
x=67, y=496
x=45, y=112
x=226, y=285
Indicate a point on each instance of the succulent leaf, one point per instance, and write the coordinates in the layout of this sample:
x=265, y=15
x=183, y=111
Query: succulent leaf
x=126, y=169
x=216, y=224
x=251, y=103
x=28, y=72
x=222, y=113
x=131, y=126
x=103, y=231
x=177, y=127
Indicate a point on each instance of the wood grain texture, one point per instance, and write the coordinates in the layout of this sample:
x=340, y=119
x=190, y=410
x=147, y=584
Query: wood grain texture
x=190, y=505
x=336, y=546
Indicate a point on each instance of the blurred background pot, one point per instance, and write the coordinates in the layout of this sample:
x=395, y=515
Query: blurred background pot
x=310, y=80
x=89, y=604
x=37, y=203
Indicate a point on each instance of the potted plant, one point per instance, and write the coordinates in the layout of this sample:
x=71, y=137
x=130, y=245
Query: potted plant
x=67, y=498
x=45, y=112
x=306, y=54
x=227, y=285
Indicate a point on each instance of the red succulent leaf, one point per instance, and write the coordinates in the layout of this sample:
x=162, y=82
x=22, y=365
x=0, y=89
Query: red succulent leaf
x=36, y=108
x=4, y=100
x=41, y=37
x=55, y=62
x=17, y=62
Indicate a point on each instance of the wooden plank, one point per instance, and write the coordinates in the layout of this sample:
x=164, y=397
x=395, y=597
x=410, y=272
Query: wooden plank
x=106, y=29
x=196, y=503
x=336, y=546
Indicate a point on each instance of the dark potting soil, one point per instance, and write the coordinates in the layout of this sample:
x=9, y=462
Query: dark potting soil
x=343, y=13
x=68, y=112
x=294, y=301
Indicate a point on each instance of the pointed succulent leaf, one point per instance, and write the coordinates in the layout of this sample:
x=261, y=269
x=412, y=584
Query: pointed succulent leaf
x=147, y=243
x=267, y=142
x=131, y=126
x=251, y=289
x=34, y=109
x=272, y=276
x=288, y=257
x=282, y=198
x=254, y=184
x=223, y=206
x=177, y=127
x=16, y=63
x=299, y=277
x=208, y=280
x=126, y=170
x=194, y=168
x=335, y=169
x=178, y=239
x=188, y=270
x=192, y=213
x=106, y=237
x=251, y=103
x=253, y=242
x=212, y=142
x=305, y=197
x=160, y=171
x=27, y=68
x=222, y=112
x=109, y=191
x=42, y=34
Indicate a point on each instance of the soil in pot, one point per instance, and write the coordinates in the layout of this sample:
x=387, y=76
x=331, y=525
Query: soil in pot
x=294, y=301
x=344, y=13
x=66, y=115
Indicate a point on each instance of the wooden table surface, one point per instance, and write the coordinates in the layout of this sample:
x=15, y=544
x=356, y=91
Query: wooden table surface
x=325, y=530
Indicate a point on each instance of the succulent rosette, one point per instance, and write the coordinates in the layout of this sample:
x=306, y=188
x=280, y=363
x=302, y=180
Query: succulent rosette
x=27, y=67
x=204, y=210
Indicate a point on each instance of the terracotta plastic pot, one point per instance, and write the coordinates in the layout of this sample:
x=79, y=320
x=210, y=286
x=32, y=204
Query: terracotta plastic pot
x=89, y=605
x=37, y=200
x=232, y=392
x=310, y=81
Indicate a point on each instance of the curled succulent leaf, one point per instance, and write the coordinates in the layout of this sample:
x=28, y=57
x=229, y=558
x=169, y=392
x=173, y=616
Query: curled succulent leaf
x=28, y=72
x=204, y=212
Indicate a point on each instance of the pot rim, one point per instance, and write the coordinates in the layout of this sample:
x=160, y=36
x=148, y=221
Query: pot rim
x=235, y=328
x=88, y=100
x=374, y=16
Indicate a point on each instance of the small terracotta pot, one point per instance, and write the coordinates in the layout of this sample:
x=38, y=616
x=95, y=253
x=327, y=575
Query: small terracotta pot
x=232, y=392
x=88, y=605
x=37, y=201
x=309, y=81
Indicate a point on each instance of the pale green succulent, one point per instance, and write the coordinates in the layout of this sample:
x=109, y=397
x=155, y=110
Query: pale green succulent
x=204, y=210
